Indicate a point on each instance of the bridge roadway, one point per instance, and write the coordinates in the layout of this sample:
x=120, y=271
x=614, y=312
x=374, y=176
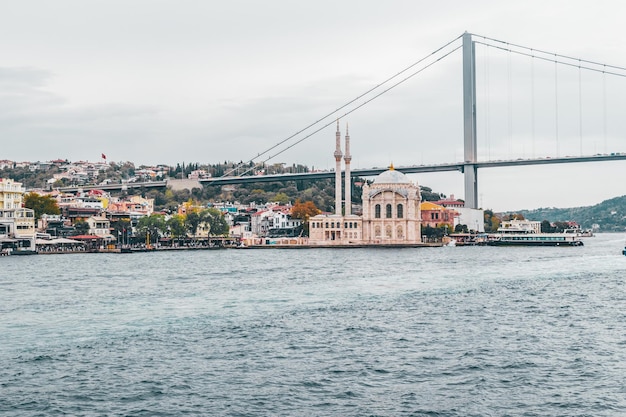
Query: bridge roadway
x=369, y=172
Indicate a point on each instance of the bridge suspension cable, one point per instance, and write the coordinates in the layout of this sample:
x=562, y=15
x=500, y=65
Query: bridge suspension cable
x=563, y=60
x=268, y=150
x=556, y=60
x=350, y=111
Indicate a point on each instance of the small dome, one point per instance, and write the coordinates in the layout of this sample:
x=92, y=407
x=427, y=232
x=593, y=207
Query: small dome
x=392, y=177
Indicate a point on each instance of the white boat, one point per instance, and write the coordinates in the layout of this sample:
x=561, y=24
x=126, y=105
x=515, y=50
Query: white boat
x=535, y=239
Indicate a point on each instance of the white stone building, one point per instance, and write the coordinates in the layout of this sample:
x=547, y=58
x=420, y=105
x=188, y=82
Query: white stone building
x=391, y=210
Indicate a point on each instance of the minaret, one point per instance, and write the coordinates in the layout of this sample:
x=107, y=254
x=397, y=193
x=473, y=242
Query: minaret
x=338, y=171
x=347, y=158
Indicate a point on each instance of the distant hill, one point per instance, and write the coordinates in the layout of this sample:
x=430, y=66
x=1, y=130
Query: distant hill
x=609, y=215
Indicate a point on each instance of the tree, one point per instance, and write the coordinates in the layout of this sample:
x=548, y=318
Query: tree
x=121, y=228
x=546, y=227
x=281, y=198
x=304, y=211
x=81, y=227
x=150, y=227
x=41, y=204
x=176, y=226
x=435, y=233
x=217, y=222
x=492, y=222
x=192, y=221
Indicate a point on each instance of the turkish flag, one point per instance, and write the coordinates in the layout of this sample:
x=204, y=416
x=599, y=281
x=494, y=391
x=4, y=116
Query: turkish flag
x=104, y=156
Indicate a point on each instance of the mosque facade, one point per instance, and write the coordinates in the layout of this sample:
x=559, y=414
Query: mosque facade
x=391, y=209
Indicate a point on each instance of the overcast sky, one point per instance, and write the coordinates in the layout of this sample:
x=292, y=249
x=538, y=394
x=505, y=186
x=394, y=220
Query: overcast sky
x=164, y=81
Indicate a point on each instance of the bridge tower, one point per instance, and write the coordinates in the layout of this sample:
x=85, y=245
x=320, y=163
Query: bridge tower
x=469, y=122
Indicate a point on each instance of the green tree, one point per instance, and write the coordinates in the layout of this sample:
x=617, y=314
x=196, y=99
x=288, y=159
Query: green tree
x=546, y=227
x=192, y=221
x=217, y=222
x=121, y=228
x=81, y=227
x=151, y=227
x=41, y=204
x=176, y=226
x=281, y=198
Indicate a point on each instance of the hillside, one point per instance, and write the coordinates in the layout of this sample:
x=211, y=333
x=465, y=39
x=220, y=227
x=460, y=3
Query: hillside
x=609, y=215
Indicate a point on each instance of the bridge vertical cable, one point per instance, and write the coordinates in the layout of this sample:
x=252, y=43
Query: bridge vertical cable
x=556, y=105
x=580, y=108
x=532, y=102
x=604, y=127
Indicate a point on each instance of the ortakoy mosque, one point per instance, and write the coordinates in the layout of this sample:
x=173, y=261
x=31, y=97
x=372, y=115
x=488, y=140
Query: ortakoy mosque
x=391, y=209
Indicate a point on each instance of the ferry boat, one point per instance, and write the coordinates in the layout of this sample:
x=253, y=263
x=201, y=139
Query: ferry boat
x=535, y=239
x=528, y=233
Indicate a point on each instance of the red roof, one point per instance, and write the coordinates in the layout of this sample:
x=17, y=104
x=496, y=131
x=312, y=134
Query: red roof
x=86, y=237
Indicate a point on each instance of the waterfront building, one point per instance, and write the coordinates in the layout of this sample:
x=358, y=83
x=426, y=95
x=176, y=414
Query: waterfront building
x=100, y=226
x=11, y=194
x=390, y=206
x=450, y=202
x=17, y=224
x=474, y=219
x=435, y=215
x=260, y=222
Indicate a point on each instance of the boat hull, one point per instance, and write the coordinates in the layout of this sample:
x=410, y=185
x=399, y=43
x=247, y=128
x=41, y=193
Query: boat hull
x=535, y=239
x=534, y=243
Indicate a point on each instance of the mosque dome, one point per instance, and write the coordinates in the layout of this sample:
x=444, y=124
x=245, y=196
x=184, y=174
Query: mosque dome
x=392, y=176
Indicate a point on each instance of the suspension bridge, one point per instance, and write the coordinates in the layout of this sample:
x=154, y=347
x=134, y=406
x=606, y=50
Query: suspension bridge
x=248, y=171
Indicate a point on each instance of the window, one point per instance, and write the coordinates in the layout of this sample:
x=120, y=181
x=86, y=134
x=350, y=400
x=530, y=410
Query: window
x=377, y=211
x=388, y=211
x=400, y=211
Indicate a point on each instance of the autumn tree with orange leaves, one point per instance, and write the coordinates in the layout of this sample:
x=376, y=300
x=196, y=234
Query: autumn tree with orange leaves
x=304, y=211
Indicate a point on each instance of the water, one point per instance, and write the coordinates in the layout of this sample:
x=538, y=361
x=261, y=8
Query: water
x=481, y=331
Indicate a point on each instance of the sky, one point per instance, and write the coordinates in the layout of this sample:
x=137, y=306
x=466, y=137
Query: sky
x=164, y=81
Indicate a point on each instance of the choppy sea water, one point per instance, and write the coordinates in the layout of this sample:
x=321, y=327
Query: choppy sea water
x=465, y=331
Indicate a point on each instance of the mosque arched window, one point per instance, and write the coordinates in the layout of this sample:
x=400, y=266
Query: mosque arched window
x=377, y=211
x=400, y=211
x=388, y=211
x=400, y=232
x=377, y=231
x=388, y=232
